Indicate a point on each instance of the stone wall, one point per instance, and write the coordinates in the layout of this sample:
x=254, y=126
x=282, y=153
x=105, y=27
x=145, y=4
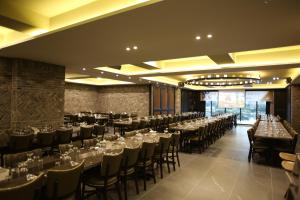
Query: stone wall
x=177, y=100
x=32, y=94
x=121, y=98
x=81, y=98
x=295, y=107
x=5, y=94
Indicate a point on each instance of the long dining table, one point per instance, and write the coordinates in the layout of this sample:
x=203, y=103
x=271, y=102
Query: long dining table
x=272, y=131
x=92, y=157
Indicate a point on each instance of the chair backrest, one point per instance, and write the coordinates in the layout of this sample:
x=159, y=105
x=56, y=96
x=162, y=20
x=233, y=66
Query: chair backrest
x=99, y=130
x=135, y=125
x=19, y=143
x=142, y=124
x=86, y=132
x=64, y=135
x=63, y=183
x=250, y=133
x=175, y=139
x=111, y=165
x=147, y=151
x=31, y=190
x=11, y=160
x=130, y=157
x=164, y=144
x=45, y=139
x=89, y=142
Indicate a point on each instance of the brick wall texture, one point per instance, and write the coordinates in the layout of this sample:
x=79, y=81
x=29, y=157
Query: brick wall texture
x=123, y=98
x=32, y=94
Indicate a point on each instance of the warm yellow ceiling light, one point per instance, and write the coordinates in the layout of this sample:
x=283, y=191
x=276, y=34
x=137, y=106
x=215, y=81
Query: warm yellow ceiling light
x=45, y=16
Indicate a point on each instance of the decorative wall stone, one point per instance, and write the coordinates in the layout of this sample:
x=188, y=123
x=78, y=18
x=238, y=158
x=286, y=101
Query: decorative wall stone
x=127, y=98
x=81, y=98
x=35, y=96
x=123, y=98
x=5, y=94
x=177, y=100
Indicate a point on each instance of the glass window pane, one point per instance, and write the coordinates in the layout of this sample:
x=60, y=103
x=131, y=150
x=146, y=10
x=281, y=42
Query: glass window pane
x=207, y=108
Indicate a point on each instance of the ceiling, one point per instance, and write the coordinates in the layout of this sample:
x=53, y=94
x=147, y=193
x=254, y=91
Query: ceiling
x=257, y=37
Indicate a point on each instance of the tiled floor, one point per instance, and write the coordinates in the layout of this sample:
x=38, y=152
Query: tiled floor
x=221, y=172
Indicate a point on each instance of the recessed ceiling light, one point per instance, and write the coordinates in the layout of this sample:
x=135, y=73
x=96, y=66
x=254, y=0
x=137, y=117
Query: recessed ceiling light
x=102, y=72
x=135, y=47
x=129, y=77
x=84, y=69
x=128, y=49
x=117, y=75
x=209, y=36
x=198, y=37
x=274, y=78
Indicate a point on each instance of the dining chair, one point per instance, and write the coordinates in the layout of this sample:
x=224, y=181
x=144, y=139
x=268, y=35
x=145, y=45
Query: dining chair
x=45, y=141
x=99, y=130
x=145, y=162
x=106, y=178
x=18, y=143
x=64, y=136
x=198, y=139
x=86, y=132
x=255, y=146
x=174, y=149
x=31, y=190
x=161, y=153
x=128, y=168
x=64, y=183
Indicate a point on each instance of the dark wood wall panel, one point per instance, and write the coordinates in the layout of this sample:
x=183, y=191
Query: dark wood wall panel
x=163, y=100
x=156, y=98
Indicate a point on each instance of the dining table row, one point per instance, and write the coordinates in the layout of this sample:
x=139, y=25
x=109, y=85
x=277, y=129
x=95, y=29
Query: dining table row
x=98, y=163
x=269, y=136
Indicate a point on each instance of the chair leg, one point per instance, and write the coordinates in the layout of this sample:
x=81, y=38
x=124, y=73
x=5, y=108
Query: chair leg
x=168, y=164
x=161, y=169
x=125, y=187
x=249, y=154
x=153, y=173
x=118, y=190
x=173, y=161
x=136, y=183
x=144, y=177
x=177, y=155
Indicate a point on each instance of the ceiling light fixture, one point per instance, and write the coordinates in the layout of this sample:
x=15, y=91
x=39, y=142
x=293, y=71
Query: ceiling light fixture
x=102, y=72
x=128, y=48
x=84, y=69
x=198, y=37
x=117, y=75
x=223, y=80
x=209, y=36
x=129, y=77
x=135, y=47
